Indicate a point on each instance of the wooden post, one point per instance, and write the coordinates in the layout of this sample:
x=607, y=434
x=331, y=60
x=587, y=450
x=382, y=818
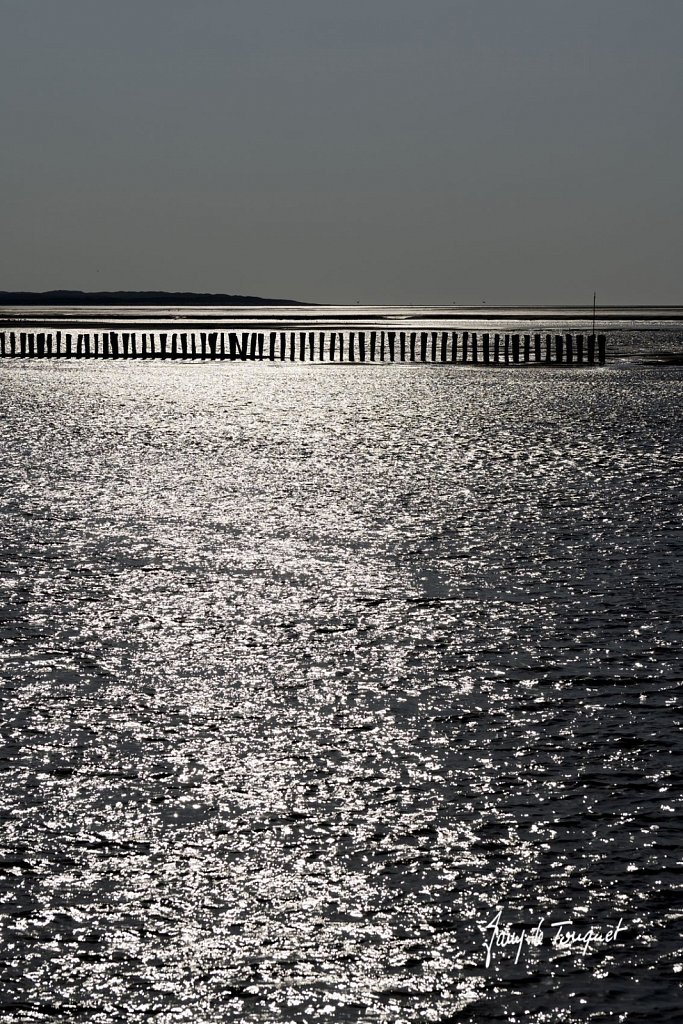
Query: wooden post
x=527, y=347
x=31, y=345
x=602, y=343
x=193, y=345
x=485, y=347
x=423, y=346
x=333, y=345
x=444, y=346
x=381, y=346
x=591, y=348
x=183, y=345
x=283, y=346
x=548, y=341
x=143, y=346
x=40, y=346
x=570, y=348
x=68, y=346
x=252, y=346
x=2, y=343
x=292, y=346
x=311, y=346
x=260, y=338
x=79, y=346
x=202, y=341
x=515, y=348
x=558, y=348
x=454, y=346
x=221, y=345
x=302, y=346
x=413, y=339
x=465, y=345
x=475, y=349
x=126, y=338
x=321, y=347
x=391, y=337
x=352, y=347
x=537, y=347
x=361, y=346
x=48, y=342
x=271, y=347
x=579, y=348
x=496, y=348
x=13, y=343
x=373, y=341
x=507, y=350
x=435, y=337
x=341, y=346
x=213, y=341
x=402, y=346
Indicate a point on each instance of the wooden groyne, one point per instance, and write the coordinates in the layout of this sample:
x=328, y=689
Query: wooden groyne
x=312, y=346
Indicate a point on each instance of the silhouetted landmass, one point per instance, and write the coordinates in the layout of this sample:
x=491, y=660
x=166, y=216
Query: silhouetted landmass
x=75, y=298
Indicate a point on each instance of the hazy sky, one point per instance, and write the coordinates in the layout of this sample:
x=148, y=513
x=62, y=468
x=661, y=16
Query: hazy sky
x=373, y=150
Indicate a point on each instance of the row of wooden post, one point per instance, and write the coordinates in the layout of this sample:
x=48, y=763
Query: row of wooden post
x=350, y=346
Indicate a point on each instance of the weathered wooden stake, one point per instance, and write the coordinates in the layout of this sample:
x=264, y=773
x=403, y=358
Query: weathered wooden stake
x=361, y=346
x=381, y=346
x=579, y=348
x=391, y=337
x=183, y=345
x=548, y=343
x=515, y=348
x=475, y=349
x=591, y=348
x=283, y=346
x=352, y=347
x=444, y=346
x=558, y=348
x=402, y=346
x=311, y=346
x=271, y=347
x=527, y=347
x=68, y=345
x=496, y=348
x=373, y=341
x=434, y=341
x=454, y=347
x=321, y=348
x=485, y=348
x=413, y=339
x=31, y=345
x=507, y=350
x=333, y=345
x=40, y=346
x=465, y=345
x=570, y=348
x=423, y=346
x=537, y=347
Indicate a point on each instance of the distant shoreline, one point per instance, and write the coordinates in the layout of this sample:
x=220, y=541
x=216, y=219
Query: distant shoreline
x=77, y=298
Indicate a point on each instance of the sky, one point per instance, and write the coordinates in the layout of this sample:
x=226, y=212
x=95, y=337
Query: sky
x=373, y=151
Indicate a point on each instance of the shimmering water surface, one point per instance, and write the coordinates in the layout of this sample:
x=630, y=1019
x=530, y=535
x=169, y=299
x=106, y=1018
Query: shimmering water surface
x=307, y=671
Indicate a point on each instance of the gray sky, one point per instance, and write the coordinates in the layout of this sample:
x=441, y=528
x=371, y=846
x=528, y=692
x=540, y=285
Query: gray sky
x=374, y=150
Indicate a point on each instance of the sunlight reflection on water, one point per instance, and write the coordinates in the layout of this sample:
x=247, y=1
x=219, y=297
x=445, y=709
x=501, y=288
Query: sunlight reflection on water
x=308, y=669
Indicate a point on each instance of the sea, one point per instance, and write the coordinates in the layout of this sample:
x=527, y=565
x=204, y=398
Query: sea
x=338, y=693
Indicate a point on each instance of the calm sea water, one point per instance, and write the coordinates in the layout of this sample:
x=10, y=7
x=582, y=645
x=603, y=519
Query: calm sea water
x=310, y=672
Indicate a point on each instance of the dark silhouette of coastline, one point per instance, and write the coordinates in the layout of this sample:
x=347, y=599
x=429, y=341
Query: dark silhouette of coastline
x=76, y=298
